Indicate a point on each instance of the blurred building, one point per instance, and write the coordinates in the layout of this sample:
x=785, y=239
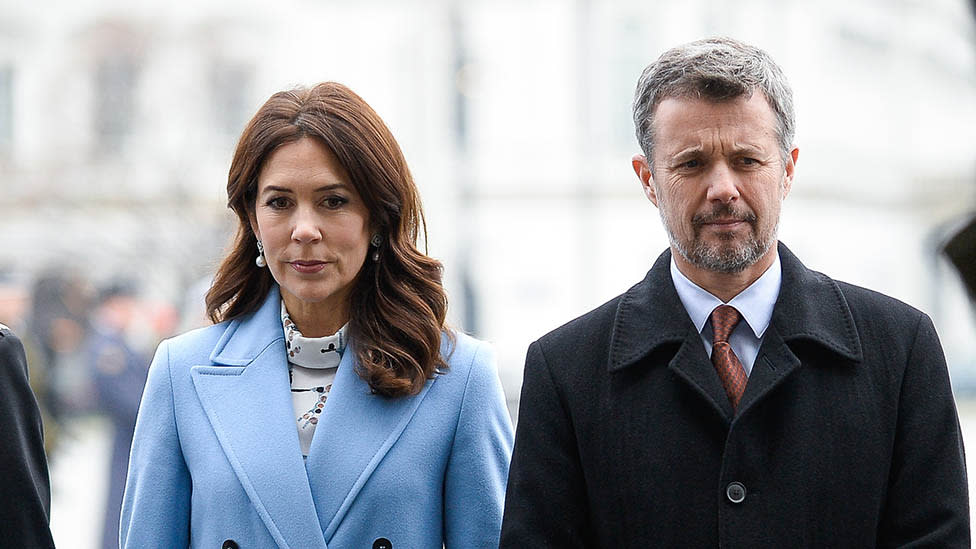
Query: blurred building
x=118, y=122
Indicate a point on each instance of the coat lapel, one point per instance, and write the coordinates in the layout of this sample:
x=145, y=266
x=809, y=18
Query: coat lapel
x=247, y=398
x=774, y=363
x=692, y=364
x=651, y=317
x=810, y=308
x=355, y=432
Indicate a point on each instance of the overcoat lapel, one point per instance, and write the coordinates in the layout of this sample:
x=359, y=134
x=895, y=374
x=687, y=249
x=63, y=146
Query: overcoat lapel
x=247, y=398
x=774, y=363
x=810, y=307
x=650, y=316
x=692, y=364
x=355, y=432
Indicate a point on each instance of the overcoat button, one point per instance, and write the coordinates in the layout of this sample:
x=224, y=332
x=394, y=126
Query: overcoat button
x=229, y=544
x=736, y=492
x=382, y=543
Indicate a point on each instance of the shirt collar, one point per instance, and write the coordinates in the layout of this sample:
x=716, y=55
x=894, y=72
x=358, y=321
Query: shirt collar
x=312, y=352
x=755, y=303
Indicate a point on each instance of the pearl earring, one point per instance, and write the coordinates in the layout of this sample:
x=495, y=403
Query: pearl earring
x=259, y=260
x=375, y=242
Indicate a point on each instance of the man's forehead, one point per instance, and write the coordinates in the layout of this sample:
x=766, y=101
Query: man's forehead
x=679, y=121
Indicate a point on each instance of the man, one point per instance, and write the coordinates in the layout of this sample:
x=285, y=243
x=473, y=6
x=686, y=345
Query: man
x=25, y=490
x=734, y=398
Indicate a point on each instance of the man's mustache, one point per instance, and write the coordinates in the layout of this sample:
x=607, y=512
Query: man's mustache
x=723, y=212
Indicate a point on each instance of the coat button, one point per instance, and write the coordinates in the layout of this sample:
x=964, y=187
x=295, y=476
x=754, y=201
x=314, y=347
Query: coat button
x=229, y=544
x=736, y=492
x=382, y=543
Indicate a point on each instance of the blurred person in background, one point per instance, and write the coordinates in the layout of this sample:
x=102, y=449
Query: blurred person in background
x=118, y=372
x=58, y=326
x=14, y=301
x=25, y=488
x=734, y=398
x=330, y=403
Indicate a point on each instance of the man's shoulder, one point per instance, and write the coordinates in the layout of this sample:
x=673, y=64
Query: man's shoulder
x=651, y=298
x=13, y=360
x=8, y=339
x=817, y=299
x=851, y=313
x=596, y=323
x=869, y=305
x=866, y=297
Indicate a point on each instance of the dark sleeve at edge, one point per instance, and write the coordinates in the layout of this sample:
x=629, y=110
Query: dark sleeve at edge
x=25, y=492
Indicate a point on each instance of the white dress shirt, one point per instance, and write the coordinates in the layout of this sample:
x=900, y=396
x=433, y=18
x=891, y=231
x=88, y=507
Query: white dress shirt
x=755, y=305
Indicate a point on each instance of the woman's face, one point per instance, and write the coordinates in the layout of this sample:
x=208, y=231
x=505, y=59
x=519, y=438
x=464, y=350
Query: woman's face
x=315, y=230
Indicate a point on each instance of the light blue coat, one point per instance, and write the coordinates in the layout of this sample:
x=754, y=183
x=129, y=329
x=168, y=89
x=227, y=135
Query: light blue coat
x=216, y=455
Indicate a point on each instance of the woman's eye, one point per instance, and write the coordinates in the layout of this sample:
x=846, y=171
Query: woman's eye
x=278, y=203
x=335, y=202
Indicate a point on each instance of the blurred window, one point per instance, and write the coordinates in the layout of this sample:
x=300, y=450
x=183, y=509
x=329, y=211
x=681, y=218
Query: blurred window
x=114, y=101
x=231, y=85
x=628, y=56
x=6, y=106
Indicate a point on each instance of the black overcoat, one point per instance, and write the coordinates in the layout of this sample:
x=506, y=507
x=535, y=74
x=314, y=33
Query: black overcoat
x=846, y=436
x=25, y=489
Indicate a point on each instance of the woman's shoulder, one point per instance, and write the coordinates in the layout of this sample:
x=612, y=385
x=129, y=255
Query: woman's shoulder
x=467, y=356
x=459, y=348
x=471, y=383
x=199, y=342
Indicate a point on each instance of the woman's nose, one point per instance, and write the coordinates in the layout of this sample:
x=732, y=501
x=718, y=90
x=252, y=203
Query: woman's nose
x=306, y=227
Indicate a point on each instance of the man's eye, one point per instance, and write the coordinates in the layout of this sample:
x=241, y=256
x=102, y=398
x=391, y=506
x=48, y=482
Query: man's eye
x=694, y=163
x=749, y=161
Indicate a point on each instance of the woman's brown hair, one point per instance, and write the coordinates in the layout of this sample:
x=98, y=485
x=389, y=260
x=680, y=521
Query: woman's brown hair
x=398, y=304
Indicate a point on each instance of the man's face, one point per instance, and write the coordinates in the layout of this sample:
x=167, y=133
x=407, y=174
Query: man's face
x=718, y=179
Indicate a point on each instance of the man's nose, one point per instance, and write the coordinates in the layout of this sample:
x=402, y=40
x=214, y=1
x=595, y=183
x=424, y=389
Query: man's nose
x=722, y=183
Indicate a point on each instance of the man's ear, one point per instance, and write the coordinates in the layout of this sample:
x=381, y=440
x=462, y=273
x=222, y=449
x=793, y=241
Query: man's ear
x=790, y=171
x=643, y=172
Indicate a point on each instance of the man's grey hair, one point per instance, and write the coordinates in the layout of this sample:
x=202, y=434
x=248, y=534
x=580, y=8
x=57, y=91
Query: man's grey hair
x=715, y=69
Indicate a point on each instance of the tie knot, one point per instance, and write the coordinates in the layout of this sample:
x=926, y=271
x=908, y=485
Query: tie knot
x=724, y=319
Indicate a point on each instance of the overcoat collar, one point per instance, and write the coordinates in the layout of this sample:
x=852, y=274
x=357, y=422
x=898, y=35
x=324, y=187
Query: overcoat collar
x=246, y=395
x=810, y=306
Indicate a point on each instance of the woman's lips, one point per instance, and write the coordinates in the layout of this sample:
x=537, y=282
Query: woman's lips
x=307, y=267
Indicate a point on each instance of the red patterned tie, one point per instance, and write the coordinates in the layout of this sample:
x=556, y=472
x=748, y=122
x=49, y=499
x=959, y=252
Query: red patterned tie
x=730, y=371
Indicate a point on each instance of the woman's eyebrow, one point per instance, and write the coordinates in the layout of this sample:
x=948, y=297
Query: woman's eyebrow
x=280, y=189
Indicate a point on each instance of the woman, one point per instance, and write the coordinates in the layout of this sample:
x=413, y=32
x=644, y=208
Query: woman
x=328, y=322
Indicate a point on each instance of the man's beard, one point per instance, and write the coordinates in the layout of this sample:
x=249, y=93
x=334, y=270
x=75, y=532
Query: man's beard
x=725, y=257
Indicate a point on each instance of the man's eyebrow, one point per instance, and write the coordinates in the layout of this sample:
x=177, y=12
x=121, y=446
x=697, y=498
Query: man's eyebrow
x=739, y=148
x=690, y=151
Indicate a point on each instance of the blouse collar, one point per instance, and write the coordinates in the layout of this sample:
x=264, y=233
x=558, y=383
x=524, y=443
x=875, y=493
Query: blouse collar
x=312, y=352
